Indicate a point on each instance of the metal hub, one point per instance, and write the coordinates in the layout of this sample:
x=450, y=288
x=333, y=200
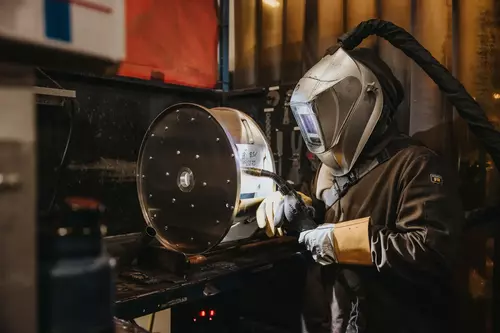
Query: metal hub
x=185, y=179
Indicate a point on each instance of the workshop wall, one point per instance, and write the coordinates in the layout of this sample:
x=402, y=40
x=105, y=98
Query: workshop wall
x=171, y=41
x=275, y=41
x=174, y=41
x=111, y=119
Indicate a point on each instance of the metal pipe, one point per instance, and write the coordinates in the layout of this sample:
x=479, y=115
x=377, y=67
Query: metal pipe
x=224, y=44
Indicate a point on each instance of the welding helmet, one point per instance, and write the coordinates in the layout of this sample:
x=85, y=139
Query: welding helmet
x=337, y=105
x=338, y=131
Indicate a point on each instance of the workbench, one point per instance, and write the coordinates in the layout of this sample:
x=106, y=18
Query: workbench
x=144, y=291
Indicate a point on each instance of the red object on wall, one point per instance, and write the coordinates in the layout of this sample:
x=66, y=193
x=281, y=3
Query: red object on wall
x=174, y=40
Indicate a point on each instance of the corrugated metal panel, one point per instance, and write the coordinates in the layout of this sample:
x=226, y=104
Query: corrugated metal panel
x=477, y=48
x=360, y=10
x=476, y=66
x=469, y=66
x=399, y=12
x=310, y=52
x=430, y=117
x=245, y=39
x=272, y=39
x=330, y=23
x=294, y=37
x=325, y=21
x=477, y=69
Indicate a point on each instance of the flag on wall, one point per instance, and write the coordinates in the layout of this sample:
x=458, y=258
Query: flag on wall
x=175, y=41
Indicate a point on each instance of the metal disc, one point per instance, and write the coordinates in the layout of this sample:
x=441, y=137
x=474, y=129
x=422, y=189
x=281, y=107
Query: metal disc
x=188, y=179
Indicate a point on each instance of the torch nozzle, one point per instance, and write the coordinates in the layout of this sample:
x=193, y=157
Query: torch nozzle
x=284, y=187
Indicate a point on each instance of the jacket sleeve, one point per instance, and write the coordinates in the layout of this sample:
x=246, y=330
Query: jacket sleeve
x=429, y=219
x=424, y=236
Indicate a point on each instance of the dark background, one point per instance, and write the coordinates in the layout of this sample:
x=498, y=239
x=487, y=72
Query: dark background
x=109, y=120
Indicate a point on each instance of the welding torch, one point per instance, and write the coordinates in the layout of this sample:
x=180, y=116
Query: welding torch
x=301, y=210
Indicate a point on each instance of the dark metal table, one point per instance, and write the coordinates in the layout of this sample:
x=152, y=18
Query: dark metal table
x=145, y=291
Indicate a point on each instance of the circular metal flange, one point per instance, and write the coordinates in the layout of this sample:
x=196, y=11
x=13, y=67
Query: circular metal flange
x=188, y=178
x=185, y=179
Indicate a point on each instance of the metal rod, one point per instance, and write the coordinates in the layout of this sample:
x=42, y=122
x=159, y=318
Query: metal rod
x=224, y=44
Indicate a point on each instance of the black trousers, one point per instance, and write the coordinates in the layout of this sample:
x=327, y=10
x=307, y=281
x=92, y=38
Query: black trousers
x=333, y=301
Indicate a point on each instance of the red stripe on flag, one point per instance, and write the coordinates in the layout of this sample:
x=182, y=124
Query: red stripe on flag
x=90, y=5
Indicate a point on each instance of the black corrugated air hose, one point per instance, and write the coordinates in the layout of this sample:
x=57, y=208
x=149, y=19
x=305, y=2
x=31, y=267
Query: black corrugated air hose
x=465, y=105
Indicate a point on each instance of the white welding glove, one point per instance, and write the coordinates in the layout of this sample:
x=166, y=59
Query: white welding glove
x=319, y=242
x=271, y=213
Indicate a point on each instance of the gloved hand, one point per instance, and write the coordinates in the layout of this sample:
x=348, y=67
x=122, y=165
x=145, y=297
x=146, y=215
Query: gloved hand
x=275, y=210
x=319, y=242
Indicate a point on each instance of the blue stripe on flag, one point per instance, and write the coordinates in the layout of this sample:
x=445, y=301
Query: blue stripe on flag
x=58, y=20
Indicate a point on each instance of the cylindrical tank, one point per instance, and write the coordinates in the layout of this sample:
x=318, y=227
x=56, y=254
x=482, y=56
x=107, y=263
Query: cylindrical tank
x=190, y=185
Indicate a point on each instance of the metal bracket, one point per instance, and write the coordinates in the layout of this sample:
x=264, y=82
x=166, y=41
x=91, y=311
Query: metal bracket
x=52, y=96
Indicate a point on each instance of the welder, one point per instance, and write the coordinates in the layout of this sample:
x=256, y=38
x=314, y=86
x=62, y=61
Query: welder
x=387, y=207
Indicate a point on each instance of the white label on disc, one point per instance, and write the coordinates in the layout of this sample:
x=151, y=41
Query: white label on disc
x=251, y=156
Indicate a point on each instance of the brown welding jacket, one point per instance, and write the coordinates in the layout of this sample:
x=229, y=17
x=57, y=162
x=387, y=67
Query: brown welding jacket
x=394, y=269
